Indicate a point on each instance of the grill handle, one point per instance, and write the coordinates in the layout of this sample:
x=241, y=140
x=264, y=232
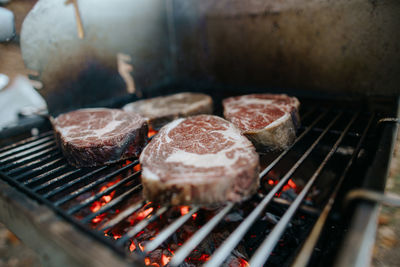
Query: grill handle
x=396, y=120
x=388, y=199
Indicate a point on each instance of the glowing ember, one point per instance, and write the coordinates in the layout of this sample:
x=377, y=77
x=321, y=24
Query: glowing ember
x=202, y=258
x=104, y=187
x=290, y=185
x=103, y=200
x=95, y=206
x=96, y=219
x=151, y=132
x=132, y=246
x=162, y=256
x=107, y=198
x=127, y=162
x=273, y=178
x=172, y=251
x=99, y=218
x=137, y=168
x=165, y=259
x=148, y=262
x=243, y=263
x=141, y=247
x=117, y=237
x=184, y=210
x=143, y=214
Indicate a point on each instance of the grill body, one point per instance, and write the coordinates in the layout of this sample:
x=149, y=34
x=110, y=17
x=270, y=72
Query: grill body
x=346, y=46
x=51, y=205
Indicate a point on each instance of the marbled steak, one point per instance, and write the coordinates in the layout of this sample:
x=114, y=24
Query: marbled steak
x=94, y=137
x=201, y=160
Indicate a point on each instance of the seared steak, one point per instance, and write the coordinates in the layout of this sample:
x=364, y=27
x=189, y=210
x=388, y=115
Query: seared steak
x=202, y=159
x=161, y=110
x=93, y=137
x=266, y=119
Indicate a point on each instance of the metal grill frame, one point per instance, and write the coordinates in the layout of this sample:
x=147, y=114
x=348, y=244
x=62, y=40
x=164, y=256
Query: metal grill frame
x=34, y=148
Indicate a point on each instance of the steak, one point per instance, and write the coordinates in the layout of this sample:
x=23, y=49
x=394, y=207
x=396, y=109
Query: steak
x=161, y=110
x=93, y=137
x=202, y=160
x=268, y=120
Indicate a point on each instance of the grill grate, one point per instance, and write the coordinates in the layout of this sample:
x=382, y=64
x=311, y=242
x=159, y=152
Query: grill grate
x=36, y=167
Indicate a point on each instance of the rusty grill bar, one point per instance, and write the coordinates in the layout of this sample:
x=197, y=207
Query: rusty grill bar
x=36, y=167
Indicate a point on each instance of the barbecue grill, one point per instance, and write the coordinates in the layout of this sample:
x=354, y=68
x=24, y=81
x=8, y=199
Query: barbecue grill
x=313, y=206
x=100, y=210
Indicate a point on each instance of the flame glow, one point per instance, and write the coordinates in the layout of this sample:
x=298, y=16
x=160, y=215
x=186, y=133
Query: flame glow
x=96, y=205
x=141, y=247
x=184, y=210
x=127, y=162
x=132, y=246
x=143, y=214
x=243, y=263
x=117, y=236
x=292, y=184
x=165, y=260
x=289, y=185
x=137, y=168
x=99, y=218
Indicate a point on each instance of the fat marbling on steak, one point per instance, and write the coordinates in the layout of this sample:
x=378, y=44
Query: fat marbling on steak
x=202, y=160
x=98, y=136
x=269, y=120
x=161, y=110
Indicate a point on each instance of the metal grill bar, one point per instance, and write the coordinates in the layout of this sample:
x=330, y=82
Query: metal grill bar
x=57, y=179
x=264, y=251
x=73, y=182
x=121, y=216
x=43, y=176
x=27, y=152
x=167, y=232
x=223, y=251
x=97, y=196
x=25, y=147
x=308, y=129
x=26, y=141
x=303, y=208
x=195, y=240
x=38, y=170
x=140, y=226
x=33, y=164
x=98, y=236
x=95, y=183
x=27, y=159
x=112, y=203
x=34, y=170
x=336, y=132
x=305, y=253
x=200, y=235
